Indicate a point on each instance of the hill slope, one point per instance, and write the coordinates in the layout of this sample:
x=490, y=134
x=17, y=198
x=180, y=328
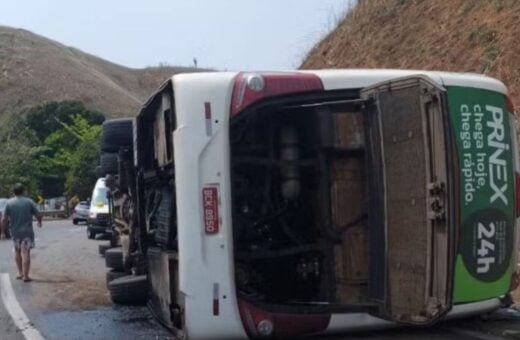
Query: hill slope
x=456, y=35
x=34, y=69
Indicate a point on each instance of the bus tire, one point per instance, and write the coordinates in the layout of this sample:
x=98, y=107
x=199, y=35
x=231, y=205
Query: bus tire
x=114, y=259
x=129, y=290
x=102, y=248
x=108, y=163
x=117, y=133
x=112, y=275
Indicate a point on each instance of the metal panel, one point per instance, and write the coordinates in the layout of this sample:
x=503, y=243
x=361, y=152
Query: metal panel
x=163, y=283
x=405, y=182
x=412, y=151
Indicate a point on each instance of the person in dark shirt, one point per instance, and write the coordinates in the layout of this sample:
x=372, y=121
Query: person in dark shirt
x=19, y=212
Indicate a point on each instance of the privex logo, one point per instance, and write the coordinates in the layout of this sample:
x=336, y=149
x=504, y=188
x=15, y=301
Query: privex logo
x=497, y=163
x=210, y=207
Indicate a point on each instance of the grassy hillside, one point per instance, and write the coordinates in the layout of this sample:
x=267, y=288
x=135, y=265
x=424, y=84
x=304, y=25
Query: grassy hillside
x=34, y=69
x=455, y=35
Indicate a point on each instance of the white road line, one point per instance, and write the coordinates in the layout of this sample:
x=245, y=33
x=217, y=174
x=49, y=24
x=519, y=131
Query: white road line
x=15, y=310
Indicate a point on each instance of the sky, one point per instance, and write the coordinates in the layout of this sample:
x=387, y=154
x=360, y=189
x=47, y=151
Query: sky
x=221, y=34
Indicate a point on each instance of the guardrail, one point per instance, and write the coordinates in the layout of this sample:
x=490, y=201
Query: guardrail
x=54, y=214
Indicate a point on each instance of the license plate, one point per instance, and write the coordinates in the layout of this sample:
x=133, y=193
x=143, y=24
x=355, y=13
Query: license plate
x=210, y=206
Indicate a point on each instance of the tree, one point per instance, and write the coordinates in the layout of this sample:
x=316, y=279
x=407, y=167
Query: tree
x=17, y=164
x=17, y=167
x=53, y=148
x=59, y=128
x=82, y=174
x=68, y=158
x=48, y=118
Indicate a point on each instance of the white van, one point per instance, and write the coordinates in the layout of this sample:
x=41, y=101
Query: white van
x=99, y=213
x=313, y=202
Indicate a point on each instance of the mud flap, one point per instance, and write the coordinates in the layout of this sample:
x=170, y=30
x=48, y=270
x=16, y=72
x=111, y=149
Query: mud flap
x=411, y=241
x=163, y=276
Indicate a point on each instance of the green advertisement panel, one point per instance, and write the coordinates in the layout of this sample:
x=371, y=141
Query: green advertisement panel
x=482, y=130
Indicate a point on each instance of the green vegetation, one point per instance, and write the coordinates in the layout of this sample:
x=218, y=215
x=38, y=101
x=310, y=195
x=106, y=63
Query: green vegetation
x=16, y=166
x=53, y=149
x=82, y=175
x=491, y=54
x=499, y=5
x=482, y=35
x=49, y=118
x=467, y=7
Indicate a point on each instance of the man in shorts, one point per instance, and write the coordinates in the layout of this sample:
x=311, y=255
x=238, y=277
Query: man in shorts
x=19, y=212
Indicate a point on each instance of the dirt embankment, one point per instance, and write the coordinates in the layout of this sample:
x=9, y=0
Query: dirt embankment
x=456, y=35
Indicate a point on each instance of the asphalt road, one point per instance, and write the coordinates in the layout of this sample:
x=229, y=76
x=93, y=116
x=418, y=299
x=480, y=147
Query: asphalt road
x=68, y=299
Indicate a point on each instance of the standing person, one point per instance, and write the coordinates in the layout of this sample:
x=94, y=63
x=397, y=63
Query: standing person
x=19, y=212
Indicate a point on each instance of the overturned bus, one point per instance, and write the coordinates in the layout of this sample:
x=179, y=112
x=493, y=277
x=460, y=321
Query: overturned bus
x=313, y=202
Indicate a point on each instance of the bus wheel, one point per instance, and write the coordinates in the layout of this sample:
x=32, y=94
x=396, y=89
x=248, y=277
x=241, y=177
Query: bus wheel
x=114, y=259
x=129, y=290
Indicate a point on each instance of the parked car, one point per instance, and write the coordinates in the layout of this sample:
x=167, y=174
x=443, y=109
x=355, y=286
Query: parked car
x=80, y=212
x=3, y=202
x=99, y=214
